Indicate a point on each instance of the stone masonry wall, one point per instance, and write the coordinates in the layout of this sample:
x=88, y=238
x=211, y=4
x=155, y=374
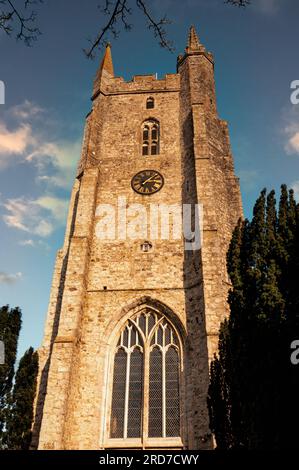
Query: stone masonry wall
x=98, y=284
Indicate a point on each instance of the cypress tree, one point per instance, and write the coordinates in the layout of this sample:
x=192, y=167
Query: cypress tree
x=10, y=325
x=219, y=393
x=20, y=412
x=290, y=330
x=271, y=224
x=284, y=237
x=252, y=394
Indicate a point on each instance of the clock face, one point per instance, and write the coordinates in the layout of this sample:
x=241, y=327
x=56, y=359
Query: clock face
x=147, y=182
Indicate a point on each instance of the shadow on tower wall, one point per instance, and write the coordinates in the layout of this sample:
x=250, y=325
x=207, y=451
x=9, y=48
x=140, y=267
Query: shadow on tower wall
x=42, y=386
x=196, y=354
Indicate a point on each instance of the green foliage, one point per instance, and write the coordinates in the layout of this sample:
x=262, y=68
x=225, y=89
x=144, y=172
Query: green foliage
x=17, y=390
x=10, y=325
x=20, y=414
x=252, y=394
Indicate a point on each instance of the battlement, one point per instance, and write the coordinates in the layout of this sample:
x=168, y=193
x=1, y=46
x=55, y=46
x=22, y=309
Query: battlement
x=143, y=83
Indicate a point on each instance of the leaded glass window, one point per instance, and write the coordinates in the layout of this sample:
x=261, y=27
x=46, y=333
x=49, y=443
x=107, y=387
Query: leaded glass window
x=150, y=137
x=147, y=358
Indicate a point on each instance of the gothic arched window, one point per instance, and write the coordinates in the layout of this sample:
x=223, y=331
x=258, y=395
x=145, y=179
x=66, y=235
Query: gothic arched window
x=146, y=380
x=150, y=103
x=150, y=137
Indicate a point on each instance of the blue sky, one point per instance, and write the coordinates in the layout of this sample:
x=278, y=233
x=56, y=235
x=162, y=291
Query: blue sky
x=48, y=88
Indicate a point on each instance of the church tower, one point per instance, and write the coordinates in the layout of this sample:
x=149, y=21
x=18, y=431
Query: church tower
x=136, y=299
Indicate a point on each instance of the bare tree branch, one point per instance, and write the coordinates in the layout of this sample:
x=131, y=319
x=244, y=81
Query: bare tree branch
x=156, y=26
x=118, y=12
x=239, y=3
x=15, y=20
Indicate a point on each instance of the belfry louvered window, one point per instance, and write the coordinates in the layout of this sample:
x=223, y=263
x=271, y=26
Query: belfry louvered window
x=146, y=380
x=150, y=138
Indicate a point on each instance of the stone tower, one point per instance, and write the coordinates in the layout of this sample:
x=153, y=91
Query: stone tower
x=134, y=314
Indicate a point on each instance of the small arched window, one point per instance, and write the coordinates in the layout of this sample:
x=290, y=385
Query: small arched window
x=146, y=380
x=150, y=137
x=150, y=103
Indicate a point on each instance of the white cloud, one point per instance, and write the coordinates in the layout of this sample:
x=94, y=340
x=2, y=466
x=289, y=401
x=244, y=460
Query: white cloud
x=22, y=140
x=13, y=142
x=27, y=242
x=62, y=157
x=34, y=244
x=291, y=130
x=6, y=278
x=293, y=143
x=26, y=110
x=25, y=142
x=57, y=207
x=39, y=217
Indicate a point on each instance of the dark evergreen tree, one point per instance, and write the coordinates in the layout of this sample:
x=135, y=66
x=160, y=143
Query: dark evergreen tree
x=16, y=390
x=219, y=396
x=10, y=325
x=20, y=410
x=252, y=395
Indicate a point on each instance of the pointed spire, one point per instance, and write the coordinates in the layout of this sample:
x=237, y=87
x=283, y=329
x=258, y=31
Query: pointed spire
x=194, y=44
x=105, y=71
x=107, y=64
x=193, y=41
x=194, y=47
